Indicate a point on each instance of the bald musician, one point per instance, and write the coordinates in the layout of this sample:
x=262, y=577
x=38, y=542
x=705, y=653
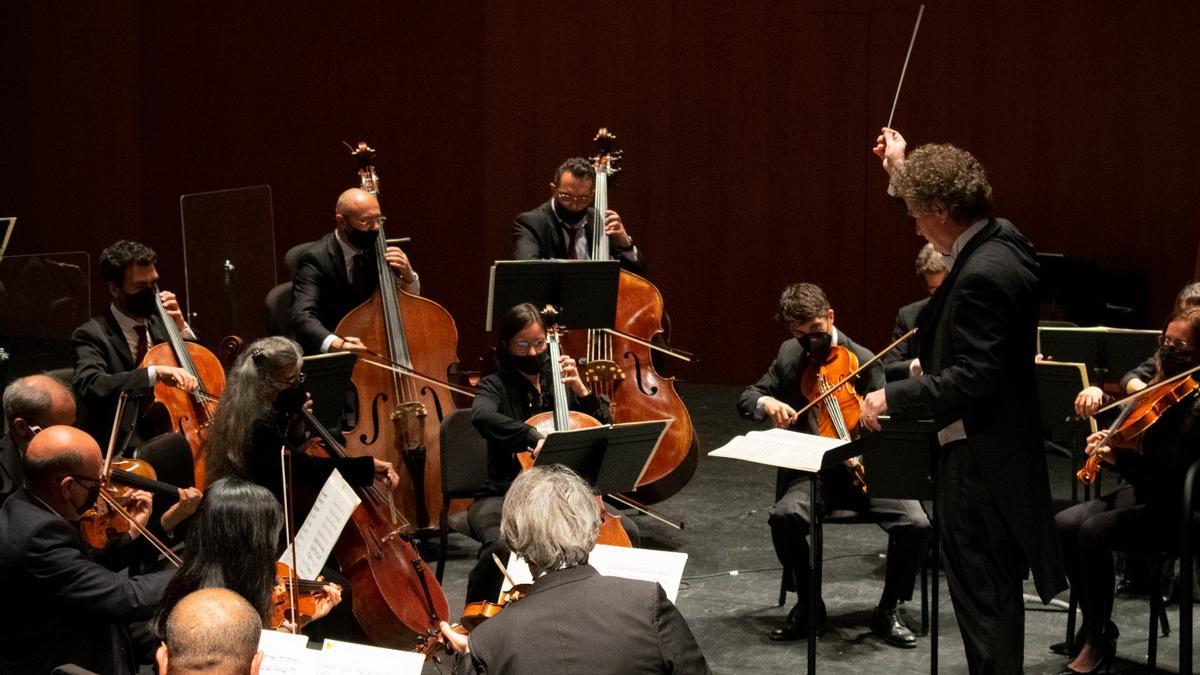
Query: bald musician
x=30, y=404
x=212, y=630
x=337, y=274
x=74, y=605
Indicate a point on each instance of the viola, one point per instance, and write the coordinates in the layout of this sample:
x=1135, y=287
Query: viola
x=394, y=408
x=101, y=524
x=190, y=412
x=563, y=418
x=307, y=594
x=831, y=381
x=476, y=613
x=620, y=365
x=396, y=598
x=1139, y=412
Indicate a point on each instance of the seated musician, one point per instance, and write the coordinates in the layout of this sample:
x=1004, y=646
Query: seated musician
x=1142, y=516
x=212, y=630
x=519, y=389
x=73, y=605
x=233, y=543
x=109, y=348
x=574, y=619
x=337, y=274
x=1092, y=398
x=30, y=404
x=259, y=413
x=777, y=396
x=902, y=362
x=564, y=227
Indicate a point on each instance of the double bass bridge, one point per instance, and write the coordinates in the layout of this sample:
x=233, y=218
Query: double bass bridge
x=601, y=370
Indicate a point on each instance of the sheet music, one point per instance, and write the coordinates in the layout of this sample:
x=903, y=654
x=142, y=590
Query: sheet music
x=348, y=657
x=286, y=654
x=779, y=447
x=665, y=567
x=323, y=526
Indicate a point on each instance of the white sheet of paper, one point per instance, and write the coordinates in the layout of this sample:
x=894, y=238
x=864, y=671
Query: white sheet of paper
x=321, y=529
x=665, y=567
x=348, y=657
x=779, y=447
x=286, y=654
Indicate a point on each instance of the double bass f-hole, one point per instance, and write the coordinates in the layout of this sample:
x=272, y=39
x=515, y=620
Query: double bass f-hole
x=637, y=366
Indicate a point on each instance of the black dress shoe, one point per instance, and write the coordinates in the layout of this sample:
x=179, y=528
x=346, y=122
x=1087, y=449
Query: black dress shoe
x=891, y=627
x=796, y=625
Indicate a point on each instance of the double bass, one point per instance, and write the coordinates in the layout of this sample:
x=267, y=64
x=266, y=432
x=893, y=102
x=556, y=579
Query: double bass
x=394, y=408
x=620, y=366
x=191, y=412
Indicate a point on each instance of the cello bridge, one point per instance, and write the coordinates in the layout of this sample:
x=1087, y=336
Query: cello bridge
x=601, y=370
x=408, y=409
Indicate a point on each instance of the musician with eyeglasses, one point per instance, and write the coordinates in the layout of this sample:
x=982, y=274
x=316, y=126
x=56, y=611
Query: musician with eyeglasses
x=564, y=227
x=337, y=274
x=519, y=389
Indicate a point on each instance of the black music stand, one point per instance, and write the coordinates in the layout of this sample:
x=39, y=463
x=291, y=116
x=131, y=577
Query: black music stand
x=1057, y=385
x=327, y=377
x=1104, y=350
x=612, y=457
x=902, y=463
x=584, y=291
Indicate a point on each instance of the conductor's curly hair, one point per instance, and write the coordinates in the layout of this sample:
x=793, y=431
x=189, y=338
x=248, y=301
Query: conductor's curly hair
x=943, y=176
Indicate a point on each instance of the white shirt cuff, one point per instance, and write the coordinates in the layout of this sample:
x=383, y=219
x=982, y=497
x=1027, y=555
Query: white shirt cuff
x=760, y=407
x=153, y=374
x=327, y=342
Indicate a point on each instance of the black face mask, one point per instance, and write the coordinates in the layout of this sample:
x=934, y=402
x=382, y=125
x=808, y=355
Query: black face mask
x=290, y=400
x=140, y=304
x=1173, y=361
x=816, y=344
x=530, y=365
x=567, y=215
x=361, y=239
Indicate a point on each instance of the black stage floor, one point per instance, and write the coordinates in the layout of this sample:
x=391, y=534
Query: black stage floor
x=725, y=507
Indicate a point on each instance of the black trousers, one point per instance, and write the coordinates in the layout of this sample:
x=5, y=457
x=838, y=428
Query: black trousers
x=985, y=567
x=485, y=579
x=903, y=519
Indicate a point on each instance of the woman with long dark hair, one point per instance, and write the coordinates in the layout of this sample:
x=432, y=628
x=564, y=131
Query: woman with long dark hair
x=233, y=543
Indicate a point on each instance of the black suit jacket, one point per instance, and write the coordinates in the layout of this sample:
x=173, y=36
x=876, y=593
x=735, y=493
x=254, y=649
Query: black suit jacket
x=976, y=345
x=576, y=622
x=68, y=607
x=321, y=292
x=782, y=379
x=896, y=362
x=104, y=368
x=536, y=236
x=11, y=474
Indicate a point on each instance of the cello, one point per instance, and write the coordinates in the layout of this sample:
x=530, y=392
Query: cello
x=418, y=335
x=190, y=412
x=619, y=363
x=562, y=418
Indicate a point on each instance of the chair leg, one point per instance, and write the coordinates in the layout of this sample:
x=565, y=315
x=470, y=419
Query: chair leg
x=925, y=596
x=1155, y=611
x=783, y=586
x=444, y=536
x=1072, y=605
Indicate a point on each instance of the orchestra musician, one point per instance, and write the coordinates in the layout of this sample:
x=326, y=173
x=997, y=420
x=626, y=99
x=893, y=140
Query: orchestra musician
x=109, y=348
x=212, y=630
x=258, y=414
x=1090, y=399
x=777, y=396
x=563, y=227
x=233, y=543
x=74, y=605
x=337, y=274
x=902, y=361
x=976, y=347
x=520, y=388
x=573, y=619
x=1142, y=515
x=31, y=404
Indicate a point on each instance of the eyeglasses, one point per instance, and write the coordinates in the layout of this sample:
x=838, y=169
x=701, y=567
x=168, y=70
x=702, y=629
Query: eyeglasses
x=290, y=383
x=371, y=221
x=524, y=345
x=1171, y=343
x=82, y=479
x=578, y=200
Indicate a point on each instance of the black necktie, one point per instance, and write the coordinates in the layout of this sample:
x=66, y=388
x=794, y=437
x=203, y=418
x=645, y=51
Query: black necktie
x=143, y=343
x=358, y=274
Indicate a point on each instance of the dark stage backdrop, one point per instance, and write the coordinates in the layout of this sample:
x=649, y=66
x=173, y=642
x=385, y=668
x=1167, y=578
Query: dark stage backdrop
x=746, y=127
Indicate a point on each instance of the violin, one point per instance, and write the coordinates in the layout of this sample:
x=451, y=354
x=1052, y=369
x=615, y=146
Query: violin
x=1139, y=412
x=190, y=412
x=99, y=525
x=619, y=363
x=419, y=336
x=307, y=594
x=562, y=418
x=396, y=598
x=838, y=413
